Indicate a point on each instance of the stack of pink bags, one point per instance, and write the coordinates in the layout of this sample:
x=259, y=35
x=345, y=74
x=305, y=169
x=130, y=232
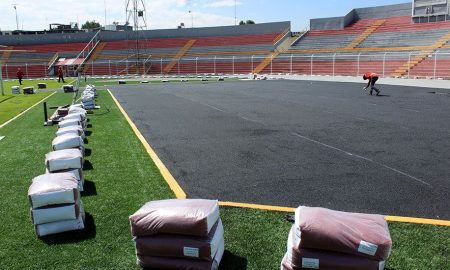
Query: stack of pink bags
x=178, y=234
x=332, y=240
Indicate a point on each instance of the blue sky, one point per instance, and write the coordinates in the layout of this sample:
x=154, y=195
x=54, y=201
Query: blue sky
x=299, y=12
x=37, y=14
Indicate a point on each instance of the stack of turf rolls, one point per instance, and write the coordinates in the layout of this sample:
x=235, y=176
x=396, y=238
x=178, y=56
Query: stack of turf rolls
x=55, y=204
x=178, y=234
x=333, y=240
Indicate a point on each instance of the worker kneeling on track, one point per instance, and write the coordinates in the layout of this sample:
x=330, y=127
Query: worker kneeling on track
x=372, y=77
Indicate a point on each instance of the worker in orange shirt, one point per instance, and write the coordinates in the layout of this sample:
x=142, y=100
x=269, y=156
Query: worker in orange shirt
x=372, y=77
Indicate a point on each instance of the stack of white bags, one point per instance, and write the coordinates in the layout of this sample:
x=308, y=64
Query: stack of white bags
x=15, y=90
x=88, y=97
x=55, y=196
x=55, y=204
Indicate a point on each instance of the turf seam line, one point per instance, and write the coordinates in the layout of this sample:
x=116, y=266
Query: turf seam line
x=170, y=180
x=22, y=113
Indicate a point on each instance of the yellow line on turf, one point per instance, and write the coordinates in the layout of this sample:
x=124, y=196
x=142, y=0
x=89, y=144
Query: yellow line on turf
x=173, y=184
x=180, y=194
x=426, y=221
x=435, y=222
x=22, y=113
x=258, y=206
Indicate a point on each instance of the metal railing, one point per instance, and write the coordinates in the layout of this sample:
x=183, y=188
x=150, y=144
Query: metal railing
x=432, y=66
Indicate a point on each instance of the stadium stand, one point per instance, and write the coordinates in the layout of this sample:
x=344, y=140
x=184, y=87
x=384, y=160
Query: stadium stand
x=198, y=50
x=386, y=39
x=381, y=39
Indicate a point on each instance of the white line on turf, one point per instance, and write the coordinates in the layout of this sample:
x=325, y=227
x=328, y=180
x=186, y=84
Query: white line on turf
x=323, y=144
x=22, y=113
x=411, y=110
x=361, y=157
x=211, y=106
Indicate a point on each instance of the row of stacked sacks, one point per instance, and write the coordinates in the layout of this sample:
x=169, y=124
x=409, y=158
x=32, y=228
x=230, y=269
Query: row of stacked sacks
x=55, y=199
x=178, y=234
x=332, y=240
x=88, y=97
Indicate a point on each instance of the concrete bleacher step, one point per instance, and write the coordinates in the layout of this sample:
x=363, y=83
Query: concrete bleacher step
x=364, y=35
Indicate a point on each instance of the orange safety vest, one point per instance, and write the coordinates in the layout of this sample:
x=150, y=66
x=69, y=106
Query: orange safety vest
x=370, y=75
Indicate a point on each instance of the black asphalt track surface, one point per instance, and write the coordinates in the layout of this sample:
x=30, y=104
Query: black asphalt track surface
x=291, y=143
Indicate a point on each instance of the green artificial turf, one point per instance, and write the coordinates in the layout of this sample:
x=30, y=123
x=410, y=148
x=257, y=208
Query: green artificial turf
x=51, y=84
x=120, y=179
x=11, y=106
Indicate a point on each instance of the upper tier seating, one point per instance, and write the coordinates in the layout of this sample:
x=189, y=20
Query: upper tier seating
x=43, y=53
x=395, y=47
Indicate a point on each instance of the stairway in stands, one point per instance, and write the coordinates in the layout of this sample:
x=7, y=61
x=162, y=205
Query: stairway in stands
x=281, y=48
x=180, y=54
x=97, y=51
x=424, y=54
x=6, y=54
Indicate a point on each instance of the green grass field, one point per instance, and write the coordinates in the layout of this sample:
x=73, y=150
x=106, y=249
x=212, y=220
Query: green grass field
x=11, y=105
x=120, y=178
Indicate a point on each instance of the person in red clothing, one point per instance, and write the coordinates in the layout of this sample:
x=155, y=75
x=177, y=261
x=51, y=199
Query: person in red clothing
x=60, y=75
x=20, y=76
x=372, y=77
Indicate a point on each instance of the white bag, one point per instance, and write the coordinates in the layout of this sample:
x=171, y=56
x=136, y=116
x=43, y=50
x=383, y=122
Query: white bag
x=51, y=189
x=55, y=213
x=67, y=141
x=64, y=159
x=70, y=122
x=77, y=108
x=77, y=130
x=76, y=173
x=75, y=116
x=61, y=226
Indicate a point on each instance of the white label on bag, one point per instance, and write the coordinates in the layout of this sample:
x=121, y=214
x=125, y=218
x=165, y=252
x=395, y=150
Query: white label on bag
x=367, y=248
x=190, y=252
x=310, y=263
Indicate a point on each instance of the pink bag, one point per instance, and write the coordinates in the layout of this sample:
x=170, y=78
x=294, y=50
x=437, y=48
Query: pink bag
x=304, y=258
x=180, y=246
x=352, y=233
x=168, y=263
x=193, y=217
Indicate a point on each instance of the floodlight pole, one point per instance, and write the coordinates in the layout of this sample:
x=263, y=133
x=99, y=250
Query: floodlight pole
x=235, y=16
x=1, y=79
x=192, y=18
x=17, y=19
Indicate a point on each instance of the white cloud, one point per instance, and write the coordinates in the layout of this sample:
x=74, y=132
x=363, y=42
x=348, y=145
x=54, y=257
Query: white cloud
x=37, y=14
x=223, y=3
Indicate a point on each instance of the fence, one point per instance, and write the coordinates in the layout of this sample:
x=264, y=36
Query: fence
x=407, y=65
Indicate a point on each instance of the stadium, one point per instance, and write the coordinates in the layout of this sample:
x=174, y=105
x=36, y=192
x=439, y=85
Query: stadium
x=125, y=163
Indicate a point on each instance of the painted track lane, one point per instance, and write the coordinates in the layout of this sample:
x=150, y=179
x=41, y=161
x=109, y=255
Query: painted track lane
x=289, y=142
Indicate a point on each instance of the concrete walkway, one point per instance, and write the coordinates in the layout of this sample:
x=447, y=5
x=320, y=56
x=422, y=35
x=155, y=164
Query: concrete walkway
x=442, y=84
